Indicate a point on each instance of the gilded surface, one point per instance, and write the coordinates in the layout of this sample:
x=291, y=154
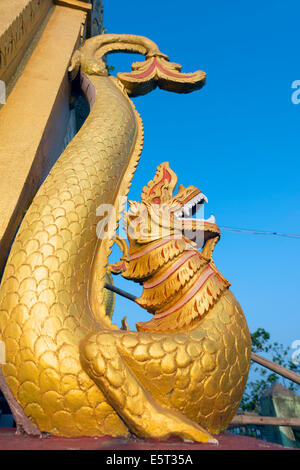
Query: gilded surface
x=194, y=355
x=19, y=22
x=69, y=368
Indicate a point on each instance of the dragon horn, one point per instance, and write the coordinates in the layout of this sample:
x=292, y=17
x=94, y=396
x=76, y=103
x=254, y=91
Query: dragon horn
x=155, y=71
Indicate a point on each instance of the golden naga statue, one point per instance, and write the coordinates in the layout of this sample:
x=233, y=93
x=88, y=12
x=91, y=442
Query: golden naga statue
x=69, y=371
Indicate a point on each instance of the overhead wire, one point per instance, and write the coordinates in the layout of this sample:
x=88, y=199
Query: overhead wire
x=260, y=232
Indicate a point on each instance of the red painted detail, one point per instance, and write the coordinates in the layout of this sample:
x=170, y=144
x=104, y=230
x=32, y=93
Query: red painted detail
x=120, y=268
x=172, y=74
x=145, y=73
x=175, y=267
x=166, y=176
x=155, y=64
x=150, y=248
x=199, y=283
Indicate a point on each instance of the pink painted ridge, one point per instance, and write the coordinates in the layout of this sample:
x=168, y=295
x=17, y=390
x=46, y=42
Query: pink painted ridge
x=149, y=285
x=155, y=64
x=152, y=247
x=207, y=274
x=88, y=89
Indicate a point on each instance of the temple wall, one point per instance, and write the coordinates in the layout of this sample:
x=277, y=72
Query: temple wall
x=35, y=118
x=19, y=22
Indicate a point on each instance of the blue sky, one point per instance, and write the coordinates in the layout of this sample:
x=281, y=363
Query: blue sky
x=237, y=139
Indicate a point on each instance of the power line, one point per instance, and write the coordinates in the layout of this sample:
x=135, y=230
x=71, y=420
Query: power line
x=260, y=232
x=121, y=292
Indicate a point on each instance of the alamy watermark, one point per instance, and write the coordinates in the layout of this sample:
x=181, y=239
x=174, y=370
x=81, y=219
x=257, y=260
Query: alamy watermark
x=296, y=353
x=2, y=92
x=149, y=221
x=296, y=94
x=2, y=353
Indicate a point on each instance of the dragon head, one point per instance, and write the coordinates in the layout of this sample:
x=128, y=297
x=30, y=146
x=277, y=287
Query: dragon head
x=161, y=214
